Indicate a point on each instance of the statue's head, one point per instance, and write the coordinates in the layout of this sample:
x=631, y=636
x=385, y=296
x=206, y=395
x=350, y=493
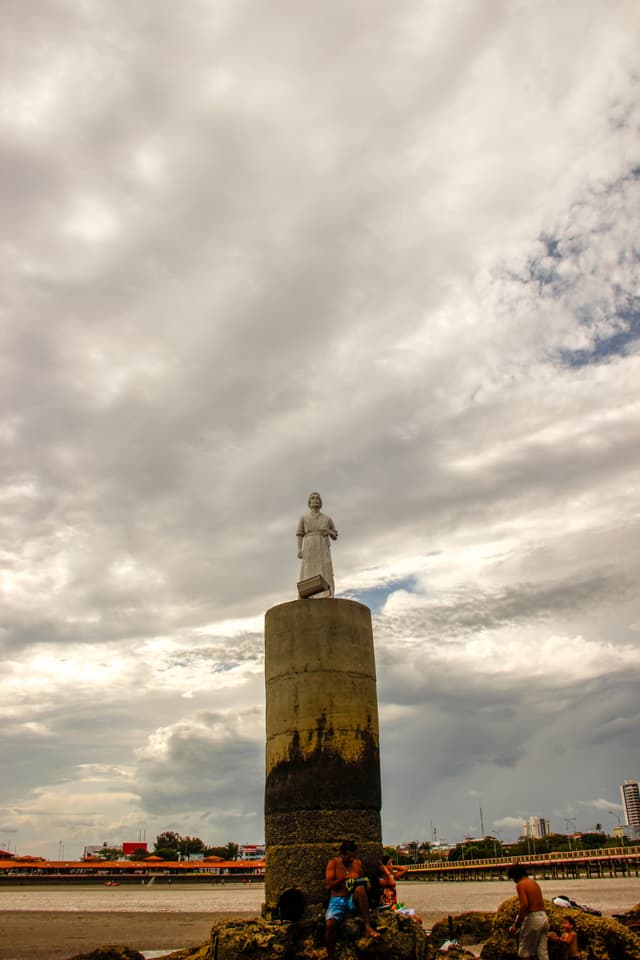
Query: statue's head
x=315, y=500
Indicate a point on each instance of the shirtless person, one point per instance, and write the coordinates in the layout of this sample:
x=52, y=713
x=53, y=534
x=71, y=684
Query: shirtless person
x=344, y=901
x=569, y=937
x=388, y=873
x=532, y=922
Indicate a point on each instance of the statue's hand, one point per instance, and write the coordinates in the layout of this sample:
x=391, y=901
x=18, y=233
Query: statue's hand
x=299, y=554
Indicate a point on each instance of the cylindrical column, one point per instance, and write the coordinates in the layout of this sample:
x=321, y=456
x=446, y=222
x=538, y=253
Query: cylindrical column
x=322, y=757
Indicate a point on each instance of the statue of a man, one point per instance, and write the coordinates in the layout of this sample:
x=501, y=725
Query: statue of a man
x=314, y=531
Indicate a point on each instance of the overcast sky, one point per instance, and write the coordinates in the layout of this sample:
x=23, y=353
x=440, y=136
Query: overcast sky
x=385, y=251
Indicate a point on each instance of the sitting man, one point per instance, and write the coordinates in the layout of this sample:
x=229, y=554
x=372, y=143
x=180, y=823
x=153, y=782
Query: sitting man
x=347, y=887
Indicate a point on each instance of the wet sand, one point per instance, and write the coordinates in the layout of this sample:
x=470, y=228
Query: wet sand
x=56, y=935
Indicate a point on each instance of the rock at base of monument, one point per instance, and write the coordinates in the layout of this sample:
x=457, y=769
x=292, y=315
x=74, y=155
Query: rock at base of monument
x=400, y=939
x=311, y=586
x=110, y=952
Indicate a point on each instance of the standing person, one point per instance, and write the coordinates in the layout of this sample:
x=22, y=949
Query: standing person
x=532, y=922
x=313, y=533
x=347, y=888
x=568, y=936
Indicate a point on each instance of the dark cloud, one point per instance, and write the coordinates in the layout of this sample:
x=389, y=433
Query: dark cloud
x=205, y=766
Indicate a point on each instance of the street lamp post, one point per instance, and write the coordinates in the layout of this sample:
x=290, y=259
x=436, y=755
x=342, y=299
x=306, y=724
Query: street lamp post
x=567, y=821
x=495, y=844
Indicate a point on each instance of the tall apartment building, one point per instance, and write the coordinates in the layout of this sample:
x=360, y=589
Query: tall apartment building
x=630, y=793
x=536, y=827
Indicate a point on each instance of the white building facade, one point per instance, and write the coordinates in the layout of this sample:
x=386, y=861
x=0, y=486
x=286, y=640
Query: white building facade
x=536, y=827
x=630, y=793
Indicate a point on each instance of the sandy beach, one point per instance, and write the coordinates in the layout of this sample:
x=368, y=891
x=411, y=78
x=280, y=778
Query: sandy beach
x=56, y=935
x=55, y=924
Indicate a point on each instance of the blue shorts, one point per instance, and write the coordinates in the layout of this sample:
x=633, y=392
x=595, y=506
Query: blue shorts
x=340, y=907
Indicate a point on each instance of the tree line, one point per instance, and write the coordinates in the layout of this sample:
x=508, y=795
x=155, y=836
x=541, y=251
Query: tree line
x=172, y=846
x=491, y=847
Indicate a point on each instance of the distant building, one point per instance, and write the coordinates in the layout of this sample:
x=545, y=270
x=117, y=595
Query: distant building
x=129, y=848
x=126, y=849
x=252, y=851
x=408, y=849
x=536, y=827
x=630, y=793
x=96, y=850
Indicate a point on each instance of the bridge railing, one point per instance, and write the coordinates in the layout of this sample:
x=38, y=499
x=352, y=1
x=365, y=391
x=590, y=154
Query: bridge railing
x=603, y=853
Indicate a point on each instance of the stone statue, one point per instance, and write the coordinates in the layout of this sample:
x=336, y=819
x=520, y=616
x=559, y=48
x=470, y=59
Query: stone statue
x=314, y=531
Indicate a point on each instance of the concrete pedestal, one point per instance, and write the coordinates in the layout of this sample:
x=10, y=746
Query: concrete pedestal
x=322, y=755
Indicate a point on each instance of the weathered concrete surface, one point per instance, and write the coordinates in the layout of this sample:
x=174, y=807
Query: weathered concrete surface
x=322, y=753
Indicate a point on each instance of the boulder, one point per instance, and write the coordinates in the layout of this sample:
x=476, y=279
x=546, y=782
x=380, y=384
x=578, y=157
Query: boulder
x=109, y=952
x=472, y=927
x=599, y=938
x=400, y=939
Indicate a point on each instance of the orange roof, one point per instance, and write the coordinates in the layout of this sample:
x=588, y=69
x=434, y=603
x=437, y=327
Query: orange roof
x=39, y=863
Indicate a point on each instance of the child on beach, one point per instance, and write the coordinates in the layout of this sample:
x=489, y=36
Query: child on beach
x=568, y=936
x=388, y=873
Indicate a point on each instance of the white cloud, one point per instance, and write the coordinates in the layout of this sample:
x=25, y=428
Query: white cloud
x=241, y=261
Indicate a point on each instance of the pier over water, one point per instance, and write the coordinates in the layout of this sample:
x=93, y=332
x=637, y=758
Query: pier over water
x=607, y=862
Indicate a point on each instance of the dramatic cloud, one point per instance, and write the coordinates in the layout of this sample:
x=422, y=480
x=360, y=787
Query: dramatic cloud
x=250, y=251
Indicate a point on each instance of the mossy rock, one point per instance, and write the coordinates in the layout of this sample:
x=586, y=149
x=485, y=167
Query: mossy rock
x=456, y=952
x=109, y=952
x=472, y=927
x=203, y=952
x=599, y=938
x=400, y=939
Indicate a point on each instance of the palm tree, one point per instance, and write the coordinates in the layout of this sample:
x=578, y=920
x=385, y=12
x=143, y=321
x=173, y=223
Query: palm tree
x=231, y=851
x=424, y=849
